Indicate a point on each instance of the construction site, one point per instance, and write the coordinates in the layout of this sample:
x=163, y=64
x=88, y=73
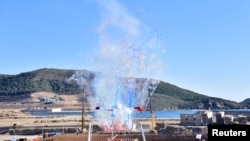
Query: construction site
x=23, y=126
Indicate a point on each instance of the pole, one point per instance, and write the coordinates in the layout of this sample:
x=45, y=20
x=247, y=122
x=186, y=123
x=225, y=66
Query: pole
x=142, y=131
x=152, y=118
x=90, y=131
x=83, y=111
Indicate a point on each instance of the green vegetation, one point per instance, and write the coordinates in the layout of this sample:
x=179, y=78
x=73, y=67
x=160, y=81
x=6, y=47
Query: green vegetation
x=166, y=96
x=50, y=80
x=175, y=97
x=246, y=102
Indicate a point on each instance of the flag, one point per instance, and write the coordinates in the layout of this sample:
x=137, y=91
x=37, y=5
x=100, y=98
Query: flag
x=139, y=108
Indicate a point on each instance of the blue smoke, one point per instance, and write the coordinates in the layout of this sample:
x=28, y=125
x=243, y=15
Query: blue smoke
x=131, y=95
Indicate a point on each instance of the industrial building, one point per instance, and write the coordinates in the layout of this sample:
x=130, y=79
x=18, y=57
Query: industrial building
x=203, y=118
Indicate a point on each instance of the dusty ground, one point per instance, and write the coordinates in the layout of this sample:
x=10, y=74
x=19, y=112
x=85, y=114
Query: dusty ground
x=124, y=137
x=104, y=137
x=10, y=113
x=68, y=101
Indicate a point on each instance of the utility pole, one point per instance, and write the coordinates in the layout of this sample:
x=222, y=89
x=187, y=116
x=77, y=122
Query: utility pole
x=83, y=111
x=152, y=117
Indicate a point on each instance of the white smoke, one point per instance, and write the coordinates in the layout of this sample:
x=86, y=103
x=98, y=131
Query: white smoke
x=115, y=18
x=126, y=50
x=126, y=46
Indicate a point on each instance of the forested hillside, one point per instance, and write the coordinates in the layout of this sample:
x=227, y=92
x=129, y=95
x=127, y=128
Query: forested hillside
x=51, y=80
x=165, y=96
x=182, y=98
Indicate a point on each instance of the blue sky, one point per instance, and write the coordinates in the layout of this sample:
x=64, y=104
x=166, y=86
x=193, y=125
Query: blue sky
x=198, y=45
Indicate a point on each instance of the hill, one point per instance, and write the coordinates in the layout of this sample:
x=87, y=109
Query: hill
x=170, y=95
x=56, y=81
x=246, y=102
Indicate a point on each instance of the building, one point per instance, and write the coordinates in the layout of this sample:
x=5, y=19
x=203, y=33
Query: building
x=203, y=118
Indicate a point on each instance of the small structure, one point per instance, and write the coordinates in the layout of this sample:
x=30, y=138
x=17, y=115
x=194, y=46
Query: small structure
x=241, y=119
x=207, y=117
x=219, y=118
x=228, y=119
x=201, y=118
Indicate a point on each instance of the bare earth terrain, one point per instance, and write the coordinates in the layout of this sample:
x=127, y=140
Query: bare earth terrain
x=10, y=115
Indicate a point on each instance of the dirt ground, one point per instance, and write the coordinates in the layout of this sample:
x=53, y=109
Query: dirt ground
x=123, y=137
x=10, y=113
x=65, y=101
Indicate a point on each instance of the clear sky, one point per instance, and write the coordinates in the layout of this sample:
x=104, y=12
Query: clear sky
x=200, y=45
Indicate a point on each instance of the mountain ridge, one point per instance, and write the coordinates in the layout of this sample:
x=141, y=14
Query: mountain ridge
x=166, y=95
